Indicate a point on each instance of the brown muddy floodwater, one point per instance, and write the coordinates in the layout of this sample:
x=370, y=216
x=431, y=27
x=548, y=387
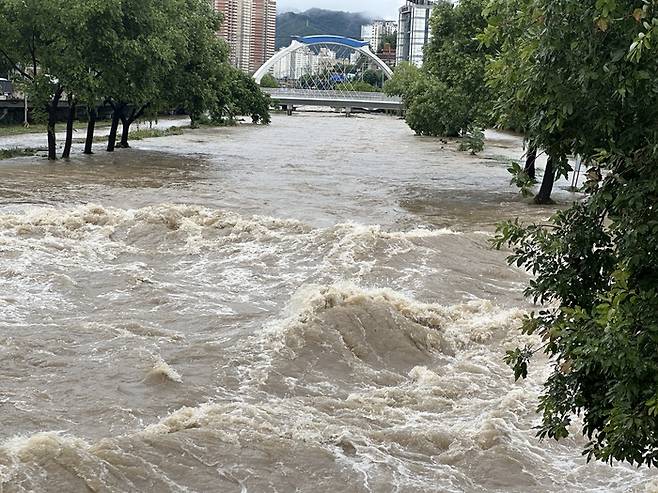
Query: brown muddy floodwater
x=306, y=307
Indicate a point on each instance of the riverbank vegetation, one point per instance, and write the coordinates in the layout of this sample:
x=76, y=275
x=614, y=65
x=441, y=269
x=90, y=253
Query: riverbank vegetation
x=152, y=133
x=582, y=75
x=140, y=57
x=17, y=152
x=36, y=128
x=448, y=97
x=579, y=79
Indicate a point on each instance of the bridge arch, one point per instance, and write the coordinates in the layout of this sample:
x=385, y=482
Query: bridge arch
x=298, y=43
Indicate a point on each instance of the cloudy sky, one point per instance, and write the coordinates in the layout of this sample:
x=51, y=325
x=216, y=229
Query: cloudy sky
x=378, y=8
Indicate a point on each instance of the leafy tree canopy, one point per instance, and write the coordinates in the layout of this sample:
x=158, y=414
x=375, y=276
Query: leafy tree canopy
x=586, y=81
x=388, y=39
x=269, y=81
x=448, y=96
x=141, y=56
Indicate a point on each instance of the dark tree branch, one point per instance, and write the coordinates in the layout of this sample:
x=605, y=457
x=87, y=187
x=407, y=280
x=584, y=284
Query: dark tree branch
x=34, y=54
x=139, y=113
x=15, y=66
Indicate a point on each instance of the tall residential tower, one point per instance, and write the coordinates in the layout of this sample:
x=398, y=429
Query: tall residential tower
x=249, y=27
x=414, y=30
x=374, y=33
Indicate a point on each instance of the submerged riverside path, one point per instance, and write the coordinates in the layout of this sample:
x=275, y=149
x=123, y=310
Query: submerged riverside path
x=309, y=306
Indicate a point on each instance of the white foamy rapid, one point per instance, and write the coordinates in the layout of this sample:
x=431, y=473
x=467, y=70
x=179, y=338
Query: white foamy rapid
x=332, y=325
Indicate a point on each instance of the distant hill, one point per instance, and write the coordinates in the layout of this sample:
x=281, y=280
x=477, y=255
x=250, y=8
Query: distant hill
x=318, y=21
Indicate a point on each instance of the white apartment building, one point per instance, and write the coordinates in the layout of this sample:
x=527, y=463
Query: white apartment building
x=305, y=62
x=366, y=33
x=374, y=33
x=414, y=30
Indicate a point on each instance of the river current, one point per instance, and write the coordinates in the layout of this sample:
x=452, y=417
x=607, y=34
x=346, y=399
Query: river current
x=311, y=306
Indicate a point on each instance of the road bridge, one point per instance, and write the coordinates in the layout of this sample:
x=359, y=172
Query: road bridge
x=335, y=99
x=330, y=71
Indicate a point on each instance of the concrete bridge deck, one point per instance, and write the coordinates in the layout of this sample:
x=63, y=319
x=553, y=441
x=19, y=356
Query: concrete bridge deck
x=335, y=99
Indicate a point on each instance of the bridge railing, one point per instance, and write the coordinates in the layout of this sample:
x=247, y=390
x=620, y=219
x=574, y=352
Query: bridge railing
x=323, y=95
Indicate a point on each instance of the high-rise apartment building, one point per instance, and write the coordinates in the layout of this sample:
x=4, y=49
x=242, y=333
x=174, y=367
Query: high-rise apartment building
x=374, y=33
x=249, y=27
x=414, y=30
x=366, y=33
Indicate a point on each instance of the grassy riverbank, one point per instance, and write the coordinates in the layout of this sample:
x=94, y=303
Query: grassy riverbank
x=140, y=134
x=19, y=129
x=38, y=128
x=151, y=133
x=17, y=152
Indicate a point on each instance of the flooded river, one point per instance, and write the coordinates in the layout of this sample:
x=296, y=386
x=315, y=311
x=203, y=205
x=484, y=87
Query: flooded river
x=306, y=307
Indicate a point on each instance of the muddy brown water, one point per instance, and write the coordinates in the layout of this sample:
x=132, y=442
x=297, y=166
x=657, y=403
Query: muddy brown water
x=306, y=307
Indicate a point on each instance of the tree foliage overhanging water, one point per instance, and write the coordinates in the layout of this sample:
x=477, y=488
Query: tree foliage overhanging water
x=583, y=75
x=140, y=57
x=579, y=78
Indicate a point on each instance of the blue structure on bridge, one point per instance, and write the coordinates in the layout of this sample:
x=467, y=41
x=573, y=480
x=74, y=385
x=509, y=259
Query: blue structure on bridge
x=298, y=43
x=337, y=40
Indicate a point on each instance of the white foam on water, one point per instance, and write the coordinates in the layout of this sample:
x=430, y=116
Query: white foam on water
x=361, y=382
x=163, y=371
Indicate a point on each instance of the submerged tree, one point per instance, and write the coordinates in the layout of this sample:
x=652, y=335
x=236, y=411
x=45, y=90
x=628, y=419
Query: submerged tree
x=91, y=32
x=138, y=56
x=31, y=43
x=240, y=95
x=591, y=80
x=456, y=59
x=513, y=28
x=200, y=70
x=448, y=96
x=509, y=36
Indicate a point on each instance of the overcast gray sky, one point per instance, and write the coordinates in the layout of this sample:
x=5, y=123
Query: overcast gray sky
x=386, y=9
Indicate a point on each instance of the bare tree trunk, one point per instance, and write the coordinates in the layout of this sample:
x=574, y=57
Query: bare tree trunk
x=52, y=122
x=91, y=127
x=69, y=128
x=531, y=160
x=125, y=132
x=52, y=141
x=544, y=195
x=116, y=116
x=127, y=122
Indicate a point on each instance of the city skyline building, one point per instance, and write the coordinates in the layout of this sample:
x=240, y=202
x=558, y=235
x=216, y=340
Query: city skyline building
x=414, y=31
x=374, y=33
x=249, y=28
x=307, y=61
x=366, y=33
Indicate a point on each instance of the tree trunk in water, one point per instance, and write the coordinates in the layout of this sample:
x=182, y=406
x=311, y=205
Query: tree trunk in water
x=112, y=139
x=124, y=134
x=52, y=142
x=531, y=159
x=544, y=195
x=127, y=122
x=52, y=121
x=91, y=127
x=69, y=129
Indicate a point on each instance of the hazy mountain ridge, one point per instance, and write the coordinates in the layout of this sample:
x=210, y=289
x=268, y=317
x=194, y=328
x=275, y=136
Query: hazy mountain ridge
x=318, y=21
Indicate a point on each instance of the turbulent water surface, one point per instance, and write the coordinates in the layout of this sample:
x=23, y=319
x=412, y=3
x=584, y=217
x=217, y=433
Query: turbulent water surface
x=306, y=307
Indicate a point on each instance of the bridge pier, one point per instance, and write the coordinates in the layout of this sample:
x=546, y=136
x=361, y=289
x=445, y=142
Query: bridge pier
x=348, y=111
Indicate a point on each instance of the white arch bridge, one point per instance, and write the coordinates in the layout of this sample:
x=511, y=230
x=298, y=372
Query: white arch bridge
x=333, y=71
